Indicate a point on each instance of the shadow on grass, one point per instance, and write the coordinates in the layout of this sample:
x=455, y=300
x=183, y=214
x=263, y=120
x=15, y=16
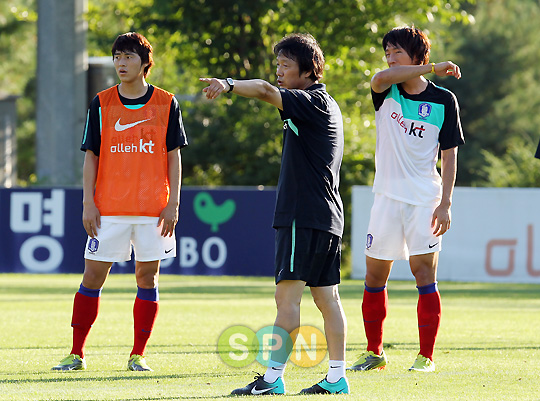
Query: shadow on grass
x=72, y=376
x=95, y=349
x=200, y=397
x=172, y=397
x=361, y=347
x=75, y=379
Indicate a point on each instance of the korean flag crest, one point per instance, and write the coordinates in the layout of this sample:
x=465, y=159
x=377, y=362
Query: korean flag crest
x=424, y=110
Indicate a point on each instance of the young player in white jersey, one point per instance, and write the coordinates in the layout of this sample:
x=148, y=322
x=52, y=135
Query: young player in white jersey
x=415, y=120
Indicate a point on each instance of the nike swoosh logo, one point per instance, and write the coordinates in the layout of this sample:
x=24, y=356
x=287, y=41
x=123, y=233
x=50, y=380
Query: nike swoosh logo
x=168, y=250
x=122, y=127
x=432, y=246
x=254, y=391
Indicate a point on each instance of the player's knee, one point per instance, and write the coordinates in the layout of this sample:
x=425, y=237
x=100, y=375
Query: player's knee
x=375, y=280
x=146, y=274
x=95, y=274
x=327, y=301
x=287, y=304
x=424, y=276
x=147, y=280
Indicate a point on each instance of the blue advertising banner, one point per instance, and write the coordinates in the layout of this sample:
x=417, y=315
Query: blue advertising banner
x=220, y=232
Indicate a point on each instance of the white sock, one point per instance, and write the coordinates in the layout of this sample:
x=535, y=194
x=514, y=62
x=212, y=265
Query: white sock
x=274, y=371
x=336, y=370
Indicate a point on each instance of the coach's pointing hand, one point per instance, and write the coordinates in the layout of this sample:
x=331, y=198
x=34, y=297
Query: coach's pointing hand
x=215, y=87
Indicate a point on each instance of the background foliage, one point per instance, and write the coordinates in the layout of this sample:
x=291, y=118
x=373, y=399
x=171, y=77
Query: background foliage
x=18, y=47
x=499, y=93
x=237, y=141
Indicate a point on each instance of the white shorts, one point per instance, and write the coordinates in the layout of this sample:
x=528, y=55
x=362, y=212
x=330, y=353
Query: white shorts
x=118, y=234
x=398, y=229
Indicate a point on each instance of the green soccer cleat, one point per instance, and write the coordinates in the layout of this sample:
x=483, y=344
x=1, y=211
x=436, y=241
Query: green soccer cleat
x=325, y=387
x=137, y=363
x=423, y=364
x=369, y=361
x=71, y=362
x=260, y=387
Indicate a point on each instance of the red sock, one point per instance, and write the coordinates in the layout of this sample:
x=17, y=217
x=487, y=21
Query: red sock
x=144, y=316
x=429, y=319
x=85, y=311
x=374, y=307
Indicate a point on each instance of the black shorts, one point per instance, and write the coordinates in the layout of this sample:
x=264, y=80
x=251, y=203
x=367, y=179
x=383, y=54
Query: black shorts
x=308, y=255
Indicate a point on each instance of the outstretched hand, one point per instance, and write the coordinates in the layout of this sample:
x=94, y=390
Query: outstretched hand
x=447, y=69
x=215, y=87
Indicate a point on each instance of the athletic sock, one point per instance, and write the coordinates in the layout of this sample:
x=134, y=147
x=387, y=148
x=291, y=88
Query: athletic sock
x=145, y=310
x=274, y=371
x=374, y=309
x=336, y=370
x=85, y=311
x=429, y=317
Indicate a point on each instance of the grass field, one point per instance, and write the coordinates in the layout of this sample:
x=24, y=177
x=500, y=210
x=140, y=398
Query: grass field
x=488, y=346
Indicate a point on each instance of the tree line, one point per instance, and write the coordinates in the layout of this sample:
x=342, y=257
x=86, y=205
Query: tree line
x=238, y=141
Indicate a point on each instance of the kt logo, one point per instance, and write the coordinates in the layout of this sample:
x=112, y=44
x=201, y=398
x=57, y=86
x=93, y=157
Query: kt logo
x=416, y=131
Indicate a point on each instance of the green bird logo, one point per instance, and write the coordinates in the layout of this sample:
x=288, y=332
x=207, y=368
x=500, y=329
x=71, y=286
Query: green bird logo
x=208, y=212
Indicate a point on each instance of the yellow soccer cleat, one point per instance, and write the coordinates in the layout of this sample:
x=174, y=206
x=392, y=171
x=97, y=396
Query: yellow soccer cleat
x=137, y=363
x=71, y=362
x=423, y=364
x=369, y=361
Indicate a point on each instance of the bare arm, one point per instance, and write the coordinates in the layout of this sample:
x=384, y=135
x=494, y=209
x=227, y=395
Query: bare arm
x=254, y=88
x=386, y=78
x=442, y=216
x=169, y=215
x=90, y=217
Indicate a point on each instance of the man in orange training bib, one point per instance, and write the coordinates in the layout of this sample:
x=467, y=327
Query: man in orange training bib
x=131, y=193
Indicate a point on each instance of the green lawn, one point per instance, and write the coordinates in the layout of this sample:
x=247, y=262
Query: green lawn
x=488, y=346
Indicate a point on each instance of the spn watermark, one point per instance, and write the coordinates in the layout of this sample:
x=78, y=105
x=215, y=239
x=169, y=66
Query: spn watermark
x=239, y=346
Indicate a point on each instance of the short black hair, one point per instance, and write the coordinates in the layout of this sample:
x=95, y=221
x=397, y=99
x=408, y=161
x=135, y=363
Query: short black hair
x=305, y=50
x=412, y=40
x=135, y=42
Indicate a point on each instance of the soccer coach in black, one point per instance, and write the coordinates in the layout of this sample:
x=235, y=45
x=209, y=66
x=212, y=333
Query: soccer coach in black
x=309, y=211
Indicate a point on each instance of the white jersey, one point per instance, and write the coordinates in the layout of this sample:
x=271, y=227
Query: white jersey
x=410, y=129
